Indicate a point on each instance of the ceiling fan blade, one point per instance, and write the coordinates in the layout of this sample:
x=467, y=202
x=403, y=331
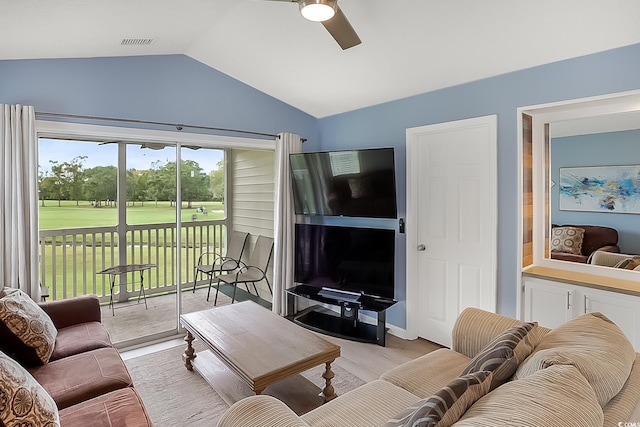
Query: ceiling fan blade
x=342, y=31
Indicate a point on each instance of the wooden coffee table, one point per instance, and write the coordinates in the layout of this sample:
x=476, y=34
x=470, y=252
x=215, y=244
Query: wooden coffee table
x=259, y=346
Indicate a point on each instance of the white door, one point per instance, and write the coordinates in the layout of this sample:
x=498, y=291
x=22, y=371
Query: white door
x=451, y=223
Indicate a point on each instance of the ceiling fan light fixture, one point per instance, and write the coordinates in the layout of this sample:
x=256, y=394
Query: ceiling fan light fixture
x=318, y=10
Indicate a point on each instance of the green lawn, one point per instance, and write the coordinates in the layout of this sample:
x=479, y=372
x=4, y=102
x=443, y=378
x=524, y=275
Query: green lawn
x=87, y=252
x=68, y=215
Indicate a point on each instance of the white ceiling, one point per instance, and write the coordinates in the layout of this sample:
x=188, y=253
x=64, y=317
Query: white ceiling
x=408, y=46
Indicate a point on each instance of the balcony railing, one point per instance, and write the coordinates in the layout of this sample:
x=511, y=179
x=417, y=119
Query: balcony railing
x=71, y=258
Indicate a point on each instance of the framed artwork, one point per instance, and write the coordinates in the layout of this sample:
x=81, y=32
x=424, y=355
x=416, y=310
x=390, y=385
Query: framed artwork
x=600, y=189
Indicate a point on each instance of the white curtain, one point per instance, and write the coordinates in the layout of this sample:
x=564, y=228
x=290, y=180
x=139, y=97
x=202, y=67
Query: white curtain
x=19, y=189
x=284, y=221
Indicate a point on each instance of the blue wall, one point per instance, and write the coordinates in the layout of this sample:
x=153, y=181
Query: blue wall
x=176, y=88
x=385, y=125
x=602, y=149
x=170, y=88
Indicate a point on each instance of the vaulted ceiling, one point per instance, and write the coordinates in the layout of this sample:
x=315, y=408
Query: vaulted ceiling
x=408, y=46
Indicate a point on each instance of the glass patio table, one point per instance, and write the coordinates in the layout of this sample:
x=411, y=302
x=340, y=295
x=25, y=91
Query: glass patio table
x=117, y=270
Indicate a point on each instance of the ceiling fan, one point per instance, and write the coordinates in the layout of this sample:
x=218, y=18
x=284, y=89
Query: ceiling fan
x=334, y=20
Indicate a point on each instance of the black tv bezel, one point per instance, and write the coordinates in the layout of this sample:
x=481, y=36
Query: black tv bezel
x=393, y=185
x=367, y=293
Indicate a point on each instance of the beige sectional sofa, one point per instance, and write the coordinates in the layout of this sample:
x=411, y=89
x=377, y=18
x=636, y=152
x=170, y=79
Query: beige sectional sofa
x=583, y=373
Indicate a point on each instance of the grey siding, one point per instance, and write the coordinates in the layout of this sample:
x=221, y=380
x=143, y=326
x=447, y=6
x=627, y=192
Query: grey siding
x=252, y=197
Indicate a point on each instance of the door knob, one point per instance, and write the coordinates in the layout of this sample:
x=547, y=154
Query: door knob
x=422, y=247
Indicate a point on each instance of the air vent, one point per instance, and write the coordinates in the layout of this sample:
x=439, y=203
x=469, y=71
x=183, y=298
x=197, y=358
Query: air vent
x=137, y=42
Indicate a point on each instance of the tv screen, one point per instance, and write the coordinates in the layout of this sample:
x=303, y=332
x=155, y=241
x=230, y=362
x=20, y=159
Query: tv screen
x=358, y=183
x=345, y=258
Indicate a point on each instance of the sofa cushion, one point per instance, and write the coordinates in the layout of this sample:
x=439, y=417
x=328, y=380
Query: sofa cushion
x=117, y=408
x=447, y=405
x=555, y=396
x=372, y=404
x=623, y=404
x=23, y=402
x=567, y=239
x=419, y=377
x=80, y=338
x=503, y=355
x=593, y=344
x=83, y=376
x=27, y=331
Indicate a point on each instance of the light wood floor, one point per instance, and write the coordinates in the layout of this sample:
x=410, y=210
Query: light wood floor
x=365, y=361
x=369, y=361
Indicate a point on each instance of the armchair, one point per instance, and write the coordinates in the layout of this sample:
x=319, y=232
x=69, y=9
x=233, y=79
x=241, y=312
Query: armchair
x=256, y=270
x=212, y=264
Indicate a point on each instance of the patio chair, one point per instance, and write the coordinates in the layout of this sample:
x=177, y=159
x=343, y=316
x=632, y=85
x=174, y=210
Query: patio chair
x=212, y=264
x=252, y=272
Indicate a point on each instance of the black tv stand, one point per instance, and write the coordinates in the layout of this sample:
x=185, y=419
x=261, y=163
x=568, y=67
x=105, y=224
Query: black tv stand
x=346, y=324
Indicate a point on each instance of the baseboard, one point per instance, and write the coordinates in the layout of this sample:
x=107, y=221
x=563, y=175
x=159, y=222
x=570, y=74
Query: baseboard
x=392, y=329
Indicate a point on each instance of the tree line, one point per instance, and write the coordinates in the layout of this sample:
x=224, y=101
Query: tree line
x=72, y=181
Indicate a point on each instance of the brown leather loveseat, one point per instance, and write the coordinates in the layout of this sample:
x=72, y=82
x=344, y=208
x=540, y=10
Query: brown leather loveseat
x=596, y=238
x=85, y=376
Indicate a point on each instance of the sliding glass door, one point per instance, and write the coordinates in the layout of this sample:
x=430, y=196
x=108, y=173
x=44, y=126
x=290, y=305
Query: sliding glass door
x=149, y=209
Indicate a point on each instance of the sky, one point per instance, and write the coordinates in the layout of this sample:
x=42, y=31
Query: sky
x=107, y=154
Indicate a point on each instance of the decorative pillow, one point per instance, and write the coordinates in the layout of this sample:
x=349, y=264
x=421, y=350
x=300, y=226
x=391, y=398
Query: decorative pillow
x=594, y=345
x=7, y=291
x=628, y=263
x=23, y=402
x=567, y=239
x=503, y=355
x=555, y=396
x=447, y=405
x=29, y=323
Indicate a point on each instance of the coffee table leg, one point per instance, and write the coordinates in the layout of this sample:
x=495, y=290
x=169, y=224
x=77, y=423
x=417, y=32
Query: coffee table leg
x=189, y=353
x=328, y=393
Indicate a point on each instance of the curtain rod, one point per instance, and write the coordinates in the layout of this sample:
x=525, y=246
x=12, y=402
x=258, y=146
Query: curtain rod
x=179, y=126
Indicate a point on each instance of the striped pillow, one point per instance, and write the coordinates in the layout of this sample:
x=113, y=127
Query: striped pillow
x=503, y=355
x=447, y=405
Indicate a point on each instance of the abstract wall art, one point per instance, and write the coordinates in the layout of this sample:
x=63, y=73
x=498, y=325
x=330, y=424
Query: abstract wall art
x=600, y=189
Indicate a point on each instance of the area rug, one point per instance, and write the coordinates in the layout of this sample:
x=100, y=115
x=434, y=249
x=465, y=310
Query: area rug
x=175, y=396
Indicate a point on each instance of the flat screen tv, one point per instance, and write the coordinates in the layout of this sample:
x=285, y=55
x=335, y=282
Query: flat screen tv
x=355, y=183
x=345, y=258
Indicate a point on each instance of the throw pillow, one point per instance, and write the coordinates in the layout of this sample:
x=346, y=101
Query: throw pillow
x=567, y=239
x=7, y=291
x=628, y=263
x=503, y=355
x=23, y=318
x=594, y=345
x=552, y=397
x=447, y=405
x=23, y=402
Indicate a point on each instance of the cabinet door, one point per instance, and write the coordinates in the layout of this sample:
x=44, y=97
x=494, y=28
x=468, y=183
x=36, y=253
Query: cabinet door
x=548, y=303
x=622, y=309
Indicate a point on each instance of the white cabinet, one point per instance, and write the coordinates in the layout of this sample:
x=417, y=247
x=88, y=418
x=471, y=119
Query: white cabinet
x=547, y=303
x=622, y=309
x=552, y=303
